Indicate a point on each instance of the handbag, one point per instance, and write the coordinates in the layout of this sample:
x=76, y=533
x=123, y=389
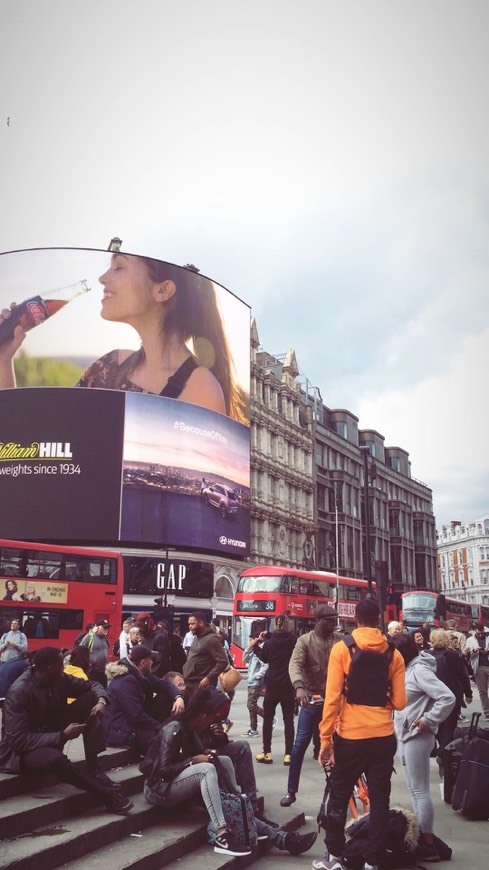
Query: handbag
x=229, y=679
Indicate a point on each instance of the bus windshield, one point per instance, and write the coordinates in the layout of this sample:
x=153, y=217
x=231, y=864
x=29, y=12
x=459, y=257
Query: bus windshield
x=260, y=584
x=418, y=607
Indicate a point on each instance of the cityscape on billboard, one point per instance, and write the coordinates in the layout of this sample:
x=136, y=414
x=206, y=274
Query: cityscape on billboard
x=174, y=435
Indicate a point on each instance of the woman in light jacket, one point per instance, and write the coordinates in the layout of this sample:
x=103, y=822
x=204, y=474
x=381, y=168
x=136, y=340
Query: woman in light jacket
x=429, y=702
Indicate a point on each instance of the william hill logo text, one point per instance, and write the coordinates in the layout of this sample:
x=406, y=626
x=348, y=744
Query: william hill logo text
x=36, y=450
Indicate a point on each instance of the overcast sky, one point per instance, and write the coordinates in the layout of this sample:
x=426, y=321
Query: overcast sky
x=325, y=161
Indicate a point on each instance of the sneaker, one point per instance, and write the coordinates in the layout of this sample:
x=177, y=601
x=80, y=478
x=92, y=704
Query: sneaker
x=288, y=800
x=427, y=852
x=118, y=803
x=224, y=845
x=252, y=732
x=287, y=760
x=296, y=843
x=264, y=757
x=327, y=863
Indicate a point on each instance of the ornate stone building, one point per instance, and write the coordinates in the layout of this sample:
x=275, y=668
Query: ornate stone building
x=307, y=484
x=463, y=560
x=282, y=476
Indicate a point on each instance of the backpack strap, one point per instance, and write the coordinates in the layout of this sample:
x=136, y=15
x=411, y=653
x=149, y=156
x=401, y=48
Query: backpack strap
x=350, y=642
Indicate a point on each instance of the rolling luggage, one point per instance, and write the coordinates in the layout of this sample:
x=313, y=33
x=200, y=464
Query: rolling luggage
x=471, y=790
x=451, y=758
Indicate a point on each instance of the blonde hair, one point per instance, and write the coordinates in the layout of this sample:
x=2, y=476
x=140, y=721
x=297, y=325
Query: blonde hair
x=440, y=639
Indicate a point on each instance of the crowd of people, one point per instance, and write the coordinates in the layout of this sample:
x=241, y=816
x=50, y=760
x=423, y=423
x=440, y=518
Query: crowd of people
x=360, y=698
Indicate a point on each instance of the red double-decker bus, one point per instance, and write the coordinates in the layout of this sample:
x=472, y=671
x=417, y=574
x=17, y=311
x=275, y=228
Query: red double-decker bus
x=56, y=590
x=268, y=591
x=423, y=606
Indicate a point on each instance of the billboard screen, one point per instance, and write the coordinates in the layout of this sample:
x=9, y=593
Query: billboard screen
x=140, y=433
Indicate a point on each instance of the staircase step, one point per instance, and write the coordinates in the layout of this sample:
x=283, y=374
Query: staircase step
x=15, y=784
x=168, y=842
x=47, y=847
x=46, y=805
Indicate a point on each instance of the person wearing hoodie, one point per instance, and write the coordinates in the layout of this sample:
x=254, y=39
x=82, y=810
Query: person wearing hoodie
x=206, y=657
x=429, y=702
x=359, y=737
x=130, y=715
x=276, y=653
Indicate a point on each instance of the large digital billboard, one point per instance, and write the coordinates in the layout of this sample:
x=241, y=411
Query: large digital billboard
x=124, y=402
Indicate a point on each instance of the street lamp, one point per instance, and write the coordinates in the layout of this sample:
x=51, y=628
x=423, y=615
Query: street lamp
x=365, y=451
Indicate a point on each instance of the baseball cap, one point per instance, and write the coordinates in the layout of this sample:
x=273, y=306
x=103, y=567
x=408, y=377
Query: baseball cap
x=103, y=623
x=138, y=653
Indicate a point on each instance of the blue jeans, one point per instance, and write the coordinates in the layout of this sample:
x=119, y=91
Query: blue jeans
x=240, y=754
x=307, y=723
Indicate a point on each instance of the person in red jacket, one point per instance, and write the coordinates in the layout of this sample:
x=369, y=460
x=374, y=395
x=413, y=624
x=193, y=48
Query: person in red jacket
x=359, y=738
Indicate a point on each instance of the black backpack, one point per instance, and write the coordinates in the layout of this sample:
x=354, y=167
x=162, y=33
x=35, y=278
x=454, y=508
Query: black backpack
x=368, y=680
x=116, y=647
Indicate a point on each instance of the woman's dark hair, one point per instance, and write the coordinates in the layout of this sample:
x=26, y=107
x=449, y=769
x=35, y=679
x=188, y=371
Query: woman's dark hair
x=406, y=645
x=80, y=658
x=193, y=313
x=204, y=701
x=11, y=581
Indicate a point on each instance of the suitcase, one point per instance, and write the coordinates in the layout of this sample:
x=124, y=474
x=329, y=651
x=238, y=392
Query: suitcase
x=451, y=758
x=471, y=790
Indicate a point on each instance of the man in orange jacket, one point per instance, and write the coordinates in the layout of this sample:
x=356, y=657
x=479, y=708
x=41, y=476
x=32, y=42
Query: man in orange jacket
x=359, y=738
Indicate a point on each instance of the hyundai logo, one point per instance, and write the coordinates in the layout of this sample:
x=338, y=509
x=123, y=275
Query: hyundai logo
x=223, y=539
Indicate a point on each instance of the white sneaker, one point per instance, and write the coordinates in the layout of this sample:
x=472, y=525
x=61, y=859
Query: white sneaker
x=327, y=863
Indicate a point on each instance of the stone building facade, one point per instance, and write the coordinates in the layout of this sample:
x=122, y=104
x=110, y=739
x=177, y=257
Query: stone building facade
x=463, y=560
x=282, y=474
x=308, y=485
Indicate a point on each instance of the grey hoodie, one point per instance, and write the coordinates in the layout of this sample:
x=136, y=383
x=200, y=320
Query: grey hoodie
x=428, y=698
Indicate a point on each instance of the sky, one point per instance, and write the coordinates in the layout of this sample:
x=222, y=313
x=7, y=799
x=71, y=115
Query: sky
x=325, y=161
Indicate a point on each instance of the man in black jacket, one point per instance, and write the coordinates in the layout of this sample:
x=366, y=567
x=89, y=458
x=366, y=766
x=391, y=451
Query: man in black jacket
x=276, y=652
x=138, y=701
x=37, y=721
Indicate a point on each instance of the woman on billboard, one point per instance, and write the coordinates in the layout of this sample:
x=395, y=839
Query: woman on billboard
x=169, y=307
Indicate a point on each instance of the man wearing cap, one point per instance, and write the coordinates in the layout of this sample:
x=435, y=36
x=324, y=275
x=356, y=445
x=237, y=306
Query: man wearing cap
x=98, y=647
x=307, y=671
x=138, y=701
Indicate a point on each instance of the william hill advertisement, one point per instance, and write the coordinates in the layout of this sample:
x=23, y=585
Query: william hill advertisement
x=124, y=402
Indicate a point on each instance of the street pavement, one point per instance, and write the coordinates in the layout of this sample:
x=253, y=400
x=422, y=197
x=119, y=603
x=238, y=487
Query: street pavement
x=469, y=840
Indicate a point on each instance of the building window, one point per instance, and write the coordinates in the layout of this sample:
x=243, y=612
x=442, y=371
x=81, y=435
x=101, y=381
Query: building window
x=224, y=588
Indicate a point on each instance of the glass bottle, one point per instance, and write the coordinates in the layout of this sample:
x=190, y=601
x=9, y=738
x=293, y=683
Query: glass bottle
x=35, y=310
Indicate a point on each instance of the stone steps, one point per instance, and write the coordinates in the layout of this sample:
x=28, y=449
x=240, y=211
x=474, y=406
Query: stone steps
x=45, y=824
